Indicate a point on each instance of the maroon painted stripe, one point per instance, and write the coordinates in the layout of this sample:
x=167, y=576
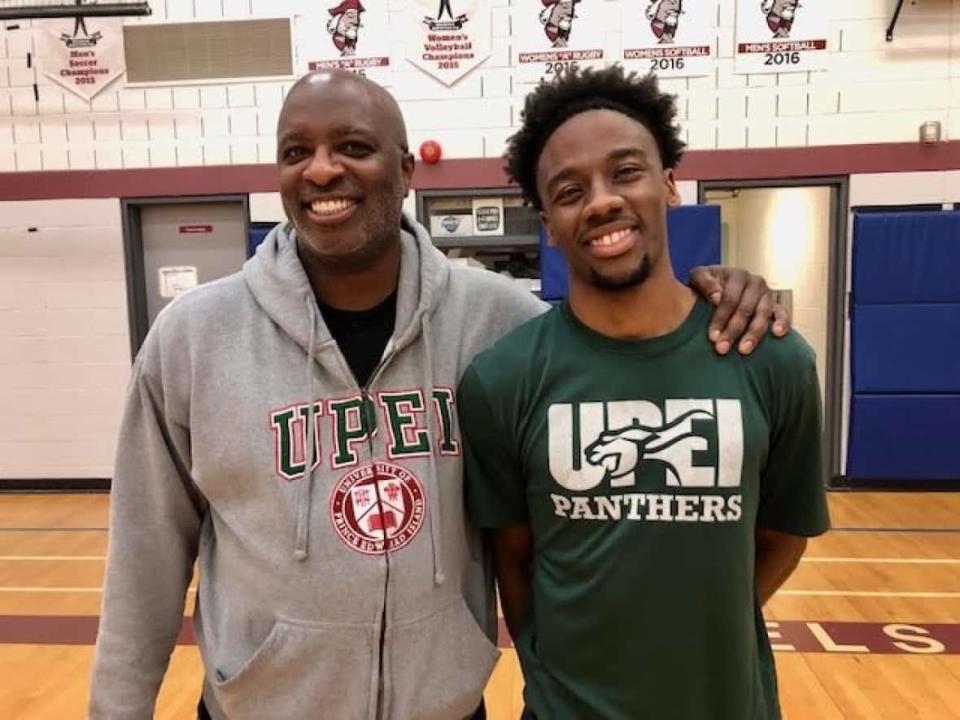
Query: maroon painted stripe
x=765, y=163
x=786, y=636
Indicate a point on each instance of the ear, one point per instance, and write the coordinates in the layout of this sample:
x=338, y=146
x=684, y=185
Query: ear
x=546, y=226
x=673, y=195
x=407, y=164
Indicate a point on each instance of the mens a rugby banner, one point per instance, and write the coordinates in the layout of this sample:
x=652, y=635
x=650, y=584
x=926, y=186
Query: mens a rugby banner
x=775, y=36
x=84, y=54
x=348, y=35
x=671, y=38
x=448, y=38
x=552, y=35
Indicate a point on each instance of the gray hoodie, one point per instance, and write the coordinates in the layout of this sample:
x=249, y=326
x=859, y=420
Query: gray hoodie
x=338, y=579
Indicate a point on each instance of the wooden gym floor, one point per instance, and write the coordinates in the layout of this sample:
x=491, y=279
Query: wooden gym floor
x=867, y=628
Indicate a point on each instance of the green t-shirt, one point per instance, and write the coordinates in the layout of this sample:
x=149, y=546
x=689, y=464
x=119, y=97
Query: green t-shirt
x=643, y=469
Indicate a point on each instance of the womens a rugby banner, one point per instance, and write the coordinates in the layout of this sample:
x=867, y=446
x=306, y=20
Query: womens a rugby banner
x=448, y=38
x=84, y=54
x=775, y=36
x=551, y=35
x=671, y=38
x=347, y=35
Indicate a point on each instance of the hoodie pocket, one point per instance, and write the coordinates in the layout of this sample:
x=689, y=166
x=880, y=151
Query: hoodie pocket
x=302, y=669
x=438, y=665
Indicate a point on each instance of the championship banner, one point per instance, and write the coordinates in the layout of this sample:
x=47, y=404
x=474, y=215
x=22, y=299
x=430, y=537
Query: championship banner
x=552, y=35
x=448, y=38
x=775, y=36
x=669, y=37
x=84, y=54
x=347, y=36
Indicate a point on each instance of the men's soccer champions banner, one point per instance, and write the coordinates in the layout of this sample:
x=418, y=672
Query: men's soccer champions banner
x=551, y=35
x=346, y=35
x=671, y=38
x=775, y=36
x=84, y=54
x=448, y=38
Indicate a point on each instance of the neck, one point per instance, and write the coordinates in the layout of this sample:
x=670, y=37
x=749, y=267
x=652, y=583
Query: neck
x=655, y=307
x=347, y=287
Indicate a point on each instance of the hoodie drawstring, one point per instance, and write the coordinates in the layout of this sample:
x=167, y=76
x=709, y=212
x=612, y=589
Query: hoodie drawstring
x=305, y=490
x=433, y=484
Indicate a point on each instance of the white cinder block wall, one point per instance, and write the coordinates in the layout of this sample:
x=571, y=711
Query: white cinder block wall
x=64, y=344
x=874, y=92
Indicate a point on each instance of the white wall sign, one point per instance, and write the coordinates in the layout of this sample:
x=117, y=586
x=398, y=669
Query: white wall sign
x=83, y=54
x=488, y=216
x=555, y=34
x=176, y=280
x=669, y=37
x=776, y=36
x=451, y=225
x=448, y=38
x=347, y=36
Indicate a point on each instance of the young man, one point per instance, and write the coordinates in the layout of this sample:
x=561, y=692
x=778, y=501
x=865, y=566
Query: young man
x=291, y=427
x=646, y=496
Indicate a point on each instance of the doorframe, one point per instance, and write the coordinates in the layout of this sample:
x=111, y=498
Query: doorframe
x=130, y=213
x=837, y=299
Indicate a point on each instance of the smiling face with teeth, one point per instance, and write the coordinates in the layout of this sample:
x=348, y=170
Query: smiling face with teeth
x=344, y=170
x=605, y=195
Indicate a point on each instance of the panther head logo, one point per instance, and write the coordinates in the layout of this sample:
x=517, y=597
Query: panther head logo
x=621, y=451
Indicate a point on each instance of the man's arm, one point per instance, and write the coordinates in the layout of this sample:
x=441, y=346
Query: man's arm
x=792, y=503
x=744, y=306
x=512, y=559
x=155, y=520
x=778, y=555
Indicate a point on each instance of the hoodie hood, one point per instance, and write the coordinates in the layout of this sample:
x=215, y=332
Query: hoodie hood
x=280, y=286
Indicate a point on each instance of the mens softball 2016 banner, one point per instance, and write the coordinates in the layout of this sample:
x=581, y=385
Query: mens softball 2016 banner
x=82, y=54
x=448, y=38
x=347, y=35
x=552, y=35
x=671, y=38
x=775, y=36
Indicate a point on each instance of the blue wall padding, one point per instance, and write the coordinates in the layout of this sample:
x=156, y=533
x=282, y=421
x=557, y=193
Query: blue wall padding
x=694, y=232
x=907, y=348
x=911, y=257
x=902, y=437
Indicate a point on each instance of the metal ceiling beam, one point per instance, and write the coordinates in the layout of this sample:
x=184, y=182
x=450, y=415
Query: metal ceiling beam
x=36, y=12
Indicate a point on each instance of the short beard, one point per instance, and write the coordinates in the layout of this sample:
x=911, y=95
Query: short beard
x=615, y=284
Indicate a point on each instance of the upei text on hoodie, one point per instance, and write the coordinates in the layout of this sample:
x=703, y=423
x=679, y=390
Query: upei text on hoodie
x=338, y=579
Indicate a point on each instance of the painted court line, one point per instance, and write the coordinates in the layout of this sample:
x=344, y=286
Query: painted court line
x=868, y=593
x=881, y=561
x=792, y=593
x=814, y=559
x=13, y=589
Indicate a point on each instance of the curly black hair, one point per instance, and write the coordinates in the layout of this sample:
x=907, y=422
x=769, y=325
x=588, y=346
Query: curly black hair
x=574, y=91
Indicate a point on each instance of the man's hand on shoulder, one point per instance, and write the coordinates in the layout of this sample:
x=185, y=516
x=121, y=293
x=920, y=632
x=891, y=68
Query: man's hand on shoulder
x=744, y=307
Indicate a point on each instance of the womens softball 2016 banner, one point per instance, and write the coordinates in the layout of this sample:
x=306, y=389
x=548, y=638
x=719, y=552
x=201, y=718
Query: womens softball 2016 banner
x=551, y=35
x=775, y=36
x=84, y=54
x=448, y=38
x=346, y=35
x=671, y=38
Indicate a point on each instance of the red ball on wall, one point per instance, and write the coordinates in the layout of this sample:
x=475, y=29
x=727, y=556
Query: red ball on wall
x=430, y=152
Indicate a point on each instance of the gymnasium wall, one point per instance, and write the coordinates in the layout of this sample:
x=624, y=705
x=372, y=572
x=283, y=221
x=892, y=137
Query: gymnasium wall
x=874, y=92
x=64, y=346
